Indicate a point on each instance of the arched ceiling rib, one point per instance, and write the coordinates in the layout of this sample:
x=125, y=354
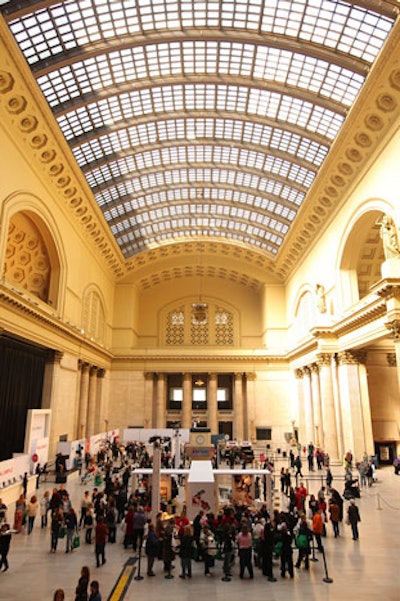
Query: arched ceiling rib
x=200, y=120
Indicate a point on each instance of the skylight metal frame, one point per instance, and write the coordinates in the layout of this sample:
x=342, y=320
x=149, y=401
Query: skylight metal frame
x=190, y=122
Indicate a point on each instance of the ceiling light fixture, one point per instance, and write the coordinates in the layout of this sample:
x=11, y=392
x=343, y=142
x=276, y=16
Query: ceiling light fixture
x=200, y=309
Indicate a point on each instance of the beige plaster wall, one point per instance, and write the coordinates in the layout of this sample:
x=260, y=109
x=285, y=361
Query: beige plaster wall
x=139, y=316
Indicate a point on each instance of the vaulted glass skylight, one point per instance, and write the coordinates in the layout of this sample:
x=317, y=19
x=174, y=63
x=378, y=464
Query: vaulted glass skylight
x=206, y=119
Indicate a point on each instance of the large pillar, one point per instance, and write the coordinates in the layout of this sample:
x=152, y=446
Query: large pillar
x=92, y=402
x=369, y=448
x=212, y=403
x=338, y=409
x=328, y=424
x=251, y=406
x=53, y=399
x=298, y=409
x=308, y=408
x=149, y=409
x=352, y=402
x=160, y=400
x=187, y=401
x=316, y=403
x=100, y=417
x=83, y=398
x=238, y=407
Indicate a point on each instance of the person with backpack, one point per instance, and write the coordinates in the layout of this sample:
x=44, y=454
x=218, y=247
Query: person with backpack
x=303, y=538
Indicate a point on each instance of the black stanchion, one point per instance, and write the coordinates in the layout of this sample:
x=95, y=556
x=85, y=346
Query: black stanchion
x=138, y=575
x=326, y=579
x=313, y=558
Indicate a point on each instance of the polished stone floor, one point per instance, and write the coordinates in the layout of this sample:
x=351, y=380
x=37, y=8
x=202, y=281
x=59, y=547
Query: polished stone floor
x=367, y=570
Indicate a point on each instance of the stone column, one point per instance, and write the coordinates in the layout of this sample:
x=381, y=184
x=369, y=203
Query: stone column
x=83, y=398
x=155, y=482
x=53, y=399
x=308, y=408
x=149, y=405
x=92, y=402
x=316, y=403
x=238, y=407
x=351, y=403
x=369, y=448
x=298, y=411
x=337, y=405
x=160, y=401
x=328, y=424
x=99, y=420
x=187, y=401
x=212, y=403
x=251, y=433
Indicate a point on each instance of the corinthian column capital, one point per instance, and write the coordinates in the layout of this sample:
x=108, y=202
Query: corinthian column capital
x=394, y=327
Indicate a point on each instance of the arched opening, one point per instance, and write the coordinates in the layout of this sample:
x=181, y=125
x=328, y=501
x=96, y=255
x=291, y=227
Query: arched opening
x=31, y=261
x=360, y=267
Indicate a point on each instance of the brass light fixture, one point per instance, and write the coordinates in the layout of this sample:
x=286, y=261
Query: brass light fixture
x=200, y=309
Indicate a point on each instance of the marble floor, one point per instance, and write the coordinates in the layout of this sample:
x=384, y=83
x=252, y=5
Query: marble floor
x=367, y=570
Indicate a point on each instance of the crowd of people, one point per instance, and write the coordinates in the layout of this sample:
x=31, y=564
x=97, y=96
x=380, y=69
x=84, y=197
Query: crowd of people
x=114, y=512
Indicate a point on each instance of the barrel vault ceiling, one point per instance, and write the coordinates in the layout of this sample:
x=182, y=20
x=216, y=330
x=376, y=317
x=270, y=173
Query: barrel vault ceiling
x=218, y=127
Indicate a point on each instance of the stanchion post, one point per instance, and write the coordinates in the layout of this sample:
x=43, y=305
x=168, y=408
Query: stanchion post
x=326, y=578
x=313, y=558
x=138, y=575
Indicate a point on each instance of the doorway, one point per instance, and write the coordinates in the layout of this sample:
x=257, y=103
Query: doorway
x=225, y=428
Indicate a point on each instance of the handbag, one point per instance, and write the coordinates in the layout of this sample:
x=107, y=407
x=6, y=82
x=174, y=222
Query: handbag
x=76, y=542
x=302, y=541
x=62, y=531
x=278, y=548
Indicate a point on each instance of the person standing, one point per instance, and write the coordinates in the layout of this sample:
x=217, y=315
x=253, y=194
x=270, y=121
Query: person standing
x=168, y=553
x=5, y=541
x=208, y=548
x=101, y=533
x=3, y=511
x=81, y=591
x=354, y=517
x=57, y=520
x=31, y=512
x=85, y=501
x=318, y=527
x=25, y=484
x=334, y=516
x=268, y=551
x=139, y=521
x=303, y=539
x=297, y=465
x=151, y=549
x=286, y=553
x=44, y=508
x=94, y=591
x=186, y=551
x=244, y=543
x=71, y=523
